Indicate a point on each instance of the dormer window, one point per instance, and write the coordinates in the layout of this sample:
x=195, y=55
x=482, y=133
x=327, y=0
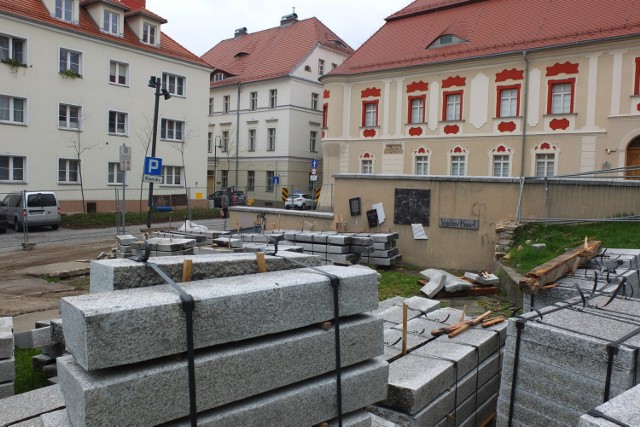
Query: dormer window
x=64, y=10
x=218, y=77
x=110, y=22
x=148, y=33
x=445, y=40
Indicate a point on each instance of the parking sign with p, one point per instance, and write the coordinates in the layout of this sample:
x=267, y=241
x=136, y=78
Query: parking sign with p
x=152, y=166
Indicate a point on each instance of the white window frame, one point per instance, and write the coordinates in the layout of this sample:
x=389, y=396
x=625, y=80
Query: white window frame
x=508, y=102
x=252, y=140
x=118, y=70
x=226, y=104
x=315, y=100
x=63, y=10
x=67, y=62
x=561, y=97
x=218, y=77
x=171, y=176
x=172, y=130
x=120, y=123
x=8, y=49
x=501, y=165
x=417, y=104
x=68, y=116
x=366, y=166
x=110, y=22
x=253, y=100
x=211, y=106
x=458, y=165
x=548, y=162
x=313, y=141
x=273, y=98
x=271, y=139
x=321, y=67
x=11, y=168
x=65, y=166
x=12, y=110
x=149, y=33
x=453, y=102
x=176, y=85
x=421, y=164
x=115, y=176
x=370, y=114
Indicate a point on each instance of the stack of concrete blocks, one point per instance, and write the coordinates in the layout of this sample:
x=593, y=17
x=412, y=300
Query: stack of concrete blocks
x=265, y=242
x=123, y=248
x=385, y=253
x=562, y=360
x=49, y=339
x=441, y=280
x=440, y=381
x=621, y=410
x=261, y=359
x=162, y=246
x=201, y=237
x=332, y=247
x=7, y=360
x=606, y=271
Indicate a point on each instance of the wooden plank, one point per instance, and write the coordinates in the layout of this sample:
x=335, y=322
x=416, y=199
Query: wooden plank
x=262, y=262
x=559, y=266
x=187, y=268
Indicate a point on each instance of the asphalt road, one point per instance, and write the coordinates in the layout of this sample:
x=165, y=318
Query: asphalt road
x=45, y=237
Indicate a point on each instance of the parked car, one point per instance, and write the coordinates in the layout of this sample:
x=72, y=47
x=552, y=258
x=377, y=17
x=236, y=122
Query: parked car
x=3, y=223
x=237, y=198
x=299, y=201
x=37, y=209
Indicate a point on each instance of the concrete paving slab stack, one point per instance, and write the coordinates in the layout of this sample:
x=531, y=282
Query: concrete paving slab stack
x=568, y=359
x=440, y=381
x=332, y=247
x=385, y=252
x=605, y=272
x=7, y=359
x=261, y=356
x=161, y=246
x=621, y=410
x=49, y=339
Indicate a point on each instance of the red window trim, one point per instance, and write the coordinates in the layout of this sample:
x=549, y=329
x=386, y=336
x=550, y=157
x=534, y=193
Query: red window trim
x=636, y=89
x=499, y=100
x=325, y=113
x=364, y=111
x=409, y=109
x=444, y=102
x=550, y=84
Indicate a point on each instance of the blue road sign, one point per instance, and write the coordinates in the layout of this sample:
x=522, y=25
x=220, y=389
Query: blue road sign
x=276, y=180
x=153, y=166
x=314, y=164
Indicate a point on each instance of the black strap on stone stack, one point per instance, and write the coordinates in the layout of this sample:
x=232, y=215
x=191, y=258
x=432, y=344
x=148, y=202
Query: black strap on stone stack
x=188, y=305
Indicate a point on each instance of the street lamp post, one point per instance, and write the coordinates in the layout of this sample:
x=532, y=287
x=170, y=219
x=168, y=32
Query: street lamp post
x=156, y=83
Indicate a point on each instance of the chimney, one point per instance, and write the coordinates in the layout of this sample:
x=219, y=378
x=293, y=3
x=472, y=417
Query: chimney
x=240, y=32
x=135, y=4
x=288, y=19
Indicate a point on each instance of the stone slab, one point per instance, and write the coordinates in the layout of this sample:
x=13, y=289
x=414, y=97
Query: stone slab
x=39, y=361
x=227, y=242
x=383, y=262
x=383, y=246
x=6, y=390
x=435, y=285
x=125, y=239
x=6, y=337
x=361, y=240
x=363, y=250
x=353, y=419
x=117, y=274
x=480, y=417
x=304, y=237
x=389, y=253
x=30, y=404
x=339, y=239
x=448, y=315
x=424, y=305
x=546, y=413
x=34, y=338
x=452, y=283
x=393, y=342
x=623, y=408
x=384, y=237
x=304, y=404
x=58, y=418
x=164, y=244
x=491, y=279
x=343, y=258
x=98, y=328
x=7, y=370
x=394, y=314
x=157, y=392
x=57, y=333
x=377, y=421
x=486, y=340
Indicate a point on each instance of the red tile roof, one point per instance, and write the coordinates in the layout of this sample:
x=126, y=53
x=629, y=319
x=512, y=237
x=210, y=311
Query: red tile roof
x=35, y=10
x=271, y=53
x=489, y=27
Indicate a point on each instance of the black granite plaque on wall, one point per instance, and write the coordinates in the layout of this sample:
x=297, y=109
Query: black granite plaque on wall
x=372, y=218
x=411, y=206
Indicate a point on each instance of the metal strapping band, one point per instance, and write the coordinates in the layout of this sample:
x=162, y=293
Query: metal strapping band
x=188, y=305
x=612, y=350
x=520, y=323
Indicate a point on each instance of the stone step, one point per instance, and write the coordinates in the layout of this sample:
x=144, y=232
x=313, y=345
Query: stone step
x=157, y=391
x=117, y=274
x=133, y=325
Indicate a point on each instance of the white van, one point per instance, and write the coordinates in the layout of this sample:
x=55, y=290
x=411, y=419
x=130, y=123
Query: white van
x=36, y=208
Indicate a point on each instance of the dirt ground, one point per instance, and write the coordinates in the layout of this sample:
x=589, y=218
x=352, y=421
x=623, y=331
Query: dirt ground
x=21, y=292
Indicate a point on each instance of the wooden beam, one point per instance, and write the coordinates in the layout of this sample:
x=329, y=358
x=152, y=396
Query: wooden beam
x=187, y=268
x=559, y=267
x=262, y=262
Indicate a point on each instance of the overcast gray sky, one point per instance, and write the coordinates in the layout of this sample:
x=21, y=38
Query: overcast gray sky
x=200, y=24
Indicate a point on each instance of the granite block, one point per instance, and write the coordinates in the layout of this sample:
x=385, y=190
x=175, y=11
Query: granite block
x=630, y=257
x=383, y=262
x=446, y=315
x=6, y=390
x=343, y=258
x=481, y=417
x=389, y=253
x=393, y=342
x=308, y=247
x=227, y=242
x=377, y=421
x=125, y=239
x=363, y=250
x=384, y=237
x=333, y=249
x=98, y=328
x=359, y=240
x=391, y=302
x=424, y=305
x=306, y=237
x=623, y=408
x=303, y=404
x=7, y=370
x=394, y=314
x=57, y=333
x=435, y=285
x=452, y=283
x=252, y=366
x=485, y=340
x=353, y=419
x=117, y=274
x=30, y=404
x=6, y=338
x=317, y=247
x=422, y=326
x=383, y=246
x=39, y=361
x=490, y=279
x=339, y=239
x=34, y=338
x=58, y=418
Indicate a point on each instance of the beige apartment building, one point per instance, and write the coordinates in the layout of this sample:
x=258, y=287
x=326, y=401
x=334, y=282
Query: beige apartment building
x=502, y=88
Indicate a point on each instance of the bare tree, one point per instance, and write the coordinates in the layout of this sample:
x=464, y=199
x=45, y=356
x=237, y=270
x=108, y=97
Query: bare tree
x=181, y=147
x=79, y=147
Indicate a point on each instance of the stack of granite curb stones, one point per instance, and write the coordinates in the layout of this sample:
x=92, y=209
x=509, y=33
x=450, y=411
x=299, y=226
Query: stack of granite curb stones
x=7, y=360
x=567, y=359
x=261, y=356
x=49, y=339
x=619, y=411
x=441, y=381
x=606, y=271
x=344, y=248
